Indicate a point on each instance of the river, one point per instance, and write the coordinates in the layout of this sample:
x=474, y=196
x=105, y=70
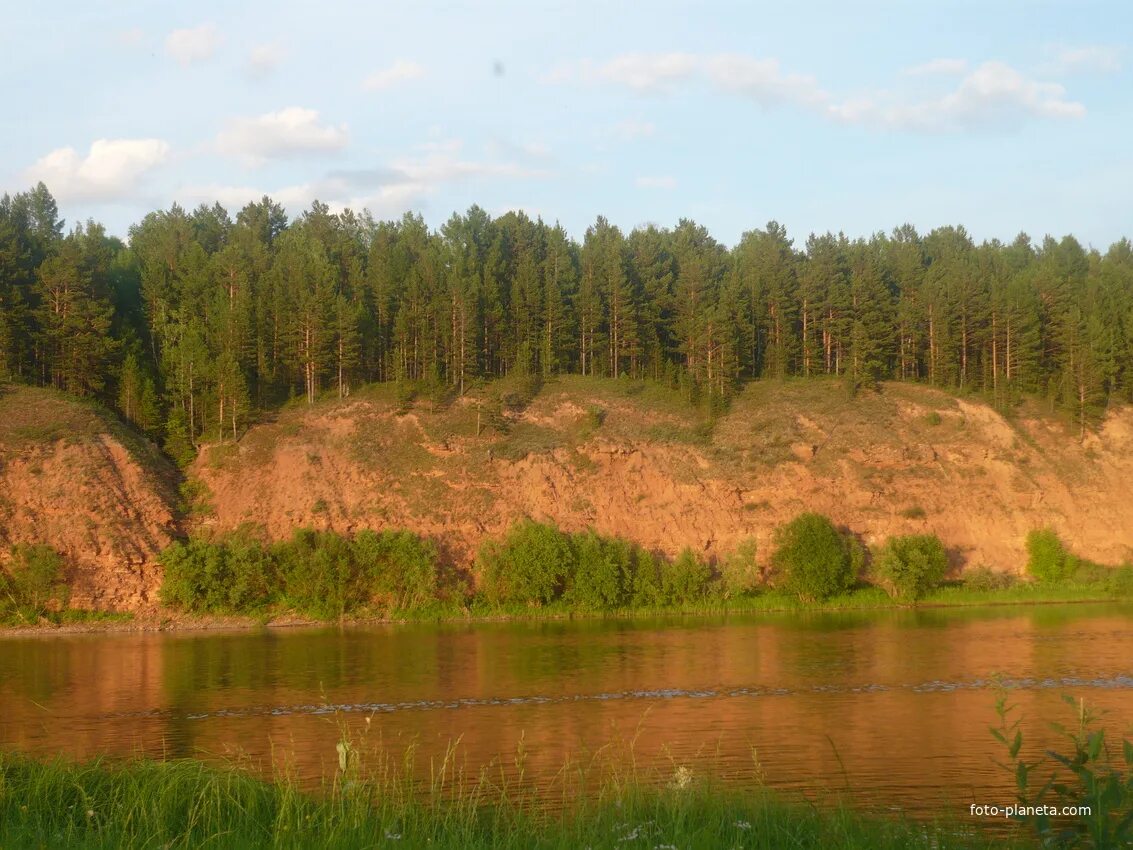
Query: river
x=889, y=708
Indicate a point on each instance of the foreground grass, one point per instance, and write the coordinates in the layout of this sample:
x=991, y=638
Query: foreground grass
x=145, y=804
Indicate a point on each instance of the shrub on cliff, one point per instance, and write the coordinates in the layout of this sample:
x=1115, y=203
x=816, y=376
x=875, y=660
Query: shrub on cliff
x=686, y=579
x=399, y=567
x=603, y=569
x=646, y=590
x=32, y=583
x=319, y=574
x=233, y=576
x=813, y=559
x=1047, y=559
x=910, y=565
x=530, y=565
x=739, y=572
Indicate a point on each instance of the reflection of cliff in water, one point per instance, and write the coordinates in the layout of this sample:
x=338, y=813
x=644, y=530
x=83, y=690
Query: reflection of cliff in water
x=894, y=705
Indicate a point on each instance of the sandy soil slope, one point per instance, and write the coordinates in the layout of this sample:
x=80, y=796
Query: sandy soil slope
x=605, y=454
x=72, y=477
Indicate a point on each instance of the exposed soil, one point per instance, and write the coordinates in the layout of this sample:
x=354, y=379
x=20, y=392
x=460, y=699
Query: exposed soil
x=603, y=454
x=73, y=478
x=904, y=460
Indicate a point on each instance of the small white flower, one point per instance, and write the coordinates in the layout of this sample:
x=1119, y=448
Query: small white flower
x=743, y=824
x=393, y=836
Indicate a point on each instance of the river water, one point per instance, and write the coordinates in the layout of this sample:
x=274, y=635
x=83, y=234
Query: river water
x=890, y=709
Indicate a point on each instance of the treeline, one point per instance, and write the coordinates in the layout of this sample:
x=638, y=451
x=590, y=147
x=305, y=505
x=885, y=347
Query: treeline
x=201, y=318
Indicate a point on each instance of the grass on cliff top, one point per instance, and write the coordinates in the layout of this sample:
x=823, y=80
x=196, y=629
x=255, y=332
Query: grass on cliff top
x=186, y=804
x=511, y=417
x=35, y=417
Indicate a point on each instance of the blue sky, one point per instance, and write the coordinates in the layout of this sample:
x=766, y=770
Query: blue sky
x=854, y=116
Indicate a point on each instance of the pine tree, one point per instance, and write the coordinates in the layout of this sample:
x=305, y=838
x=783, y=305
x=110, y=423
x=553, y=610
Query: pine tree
x=765, y=265
x=871, y=311
x=347, y=346
x=560, y=280
x=305, y=281
x=651, y=264
x=75, y=319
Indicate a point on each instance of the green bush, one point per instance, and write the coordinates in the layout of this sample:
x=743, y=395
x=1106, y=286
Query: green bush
x=182, y=584
x=229, y=577
x=686, y=579
x=530, y=565
x=251, y=574
x=1091, y=776
x=814, y=560
x=1120, y=582
x=322, y=574
x=33, y=583
x=1089, y=572
x=602, y=569
x=399, y=566
x=911, y=565
x=319, y=574
x=178, y=441
x=739, y=573
x=985, y=578
x=646, y=589
x=1047, y=559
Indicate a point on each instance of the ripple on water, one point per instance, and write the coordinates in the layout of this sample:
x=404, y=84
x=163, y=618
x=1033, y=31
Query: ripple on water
x=754, y=691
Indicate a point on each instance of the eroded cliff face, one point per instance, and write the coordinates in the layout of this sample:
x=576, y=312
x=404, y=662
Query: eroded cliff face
x=76, y=480
x=594, y=453
x=604, y=454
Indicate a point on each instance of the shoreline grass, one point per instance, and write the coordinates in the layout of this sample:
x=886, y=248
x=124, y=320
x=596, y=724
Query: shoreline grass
x=146, y=804
x=865, y=599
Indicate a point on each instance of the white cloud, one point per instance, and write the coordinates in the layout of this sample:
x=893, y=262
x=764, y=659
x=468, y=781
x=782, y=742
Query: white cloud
x=631, y=130
x=264, y=59
x=444, y=164
x=404, y=184
x=992, y=95
x=293, y=131
x=338, y=193
x=661, y=73
x=934, y=67
x=112, y=170
x=236, y=197
x=1092, y=58
x=644, y=72
x=193, y=45
x=761, y=80
x=660, y=182
x=533, y=150
x=399, y=72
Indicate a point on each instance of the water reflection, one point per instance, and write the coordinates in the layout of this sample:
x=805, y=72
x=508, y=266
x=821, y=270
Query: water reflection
x=892, y=705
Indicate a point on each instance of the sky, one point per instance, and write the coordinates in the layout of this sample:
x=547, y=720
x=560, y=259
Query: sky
x=842, y=116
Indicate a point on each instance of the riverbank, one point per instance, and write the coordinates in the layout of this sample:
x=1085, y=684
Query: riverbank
x=158, y=619
x=145, y=804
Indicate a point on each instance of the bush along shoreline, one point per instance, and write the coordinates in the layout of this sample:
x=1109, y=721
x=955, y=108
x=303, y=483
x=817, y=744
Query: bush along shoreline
x=538, y=570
